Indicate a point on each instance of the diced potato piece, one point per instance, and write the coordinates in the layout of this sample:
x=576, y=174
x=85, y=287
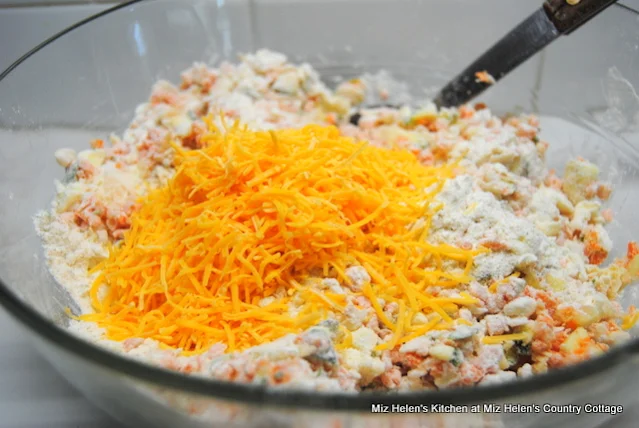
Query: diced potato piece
x=65, y=157
x=521, y=307
x=531, y=277
x=353, y=90
x=95, y=157
x=585, y=211
x=563, y=204
x=574, y=340
x=578, y=175
x=549, y=227
x=368, y=366
x=442, y=352
x=633, y=266
x=587, y=315
x=364, y=339
x=180, y=124
x=335, y=104
x=612, y=279
x=71, y=195
x=555, y=283
x=287, y=83
x=580, y=343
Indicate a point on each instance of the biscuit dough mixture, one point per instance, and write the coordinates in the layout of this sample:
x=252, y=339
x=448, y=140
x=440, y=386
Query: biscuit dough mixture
x=249, y=226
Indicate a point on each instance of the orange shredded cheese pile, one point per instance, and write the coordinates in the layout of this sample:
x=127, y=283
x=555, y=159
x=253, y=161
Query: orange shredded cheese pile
x=256, y=215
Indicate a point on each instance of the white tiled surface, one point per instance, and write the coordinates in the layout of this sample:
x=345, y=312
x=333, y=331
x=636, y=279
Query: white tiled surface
x=32, y=394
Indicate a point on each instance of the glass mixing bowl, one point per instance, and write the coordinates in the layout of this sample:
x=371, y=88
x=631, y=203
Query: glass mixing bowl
x=86, y=82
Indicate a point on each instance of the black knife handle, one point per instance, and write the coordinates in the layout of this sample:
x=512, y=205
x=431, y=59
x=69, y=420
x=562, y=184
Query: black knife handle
x=568, y=15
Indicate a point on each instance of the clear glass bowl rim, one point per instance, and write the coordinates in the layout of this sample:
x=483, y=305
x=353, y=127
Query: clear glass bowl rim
x=294, y=399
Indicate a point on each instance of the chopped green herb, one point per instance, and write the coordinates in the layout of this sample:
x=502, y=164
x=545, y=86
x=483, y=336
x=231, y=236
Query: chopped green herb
x=522, y=348
x=458, y=358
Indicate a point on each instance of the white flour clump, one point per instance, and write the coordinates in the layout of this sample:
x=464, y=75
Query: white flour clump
x=71, y=253
x=476, y=217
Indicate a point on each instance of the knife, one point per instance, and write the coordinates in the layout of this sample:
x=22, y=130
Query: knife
x=553, y=19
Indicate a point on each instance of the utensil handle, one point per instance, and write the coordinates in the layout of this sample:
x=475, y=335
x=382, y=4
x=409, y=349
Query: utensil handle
x=568, y=15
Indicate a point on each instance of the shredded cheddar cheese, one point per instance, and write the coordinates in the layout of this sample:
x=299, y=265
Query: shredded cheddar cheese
x=256, y=215
x=492, y=340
